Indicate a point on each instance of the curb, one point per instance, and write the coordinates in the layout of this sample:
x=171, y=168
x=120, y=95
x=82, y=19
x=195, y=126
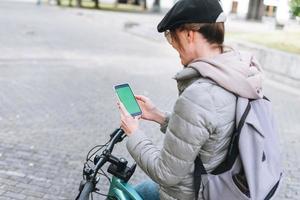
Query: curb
x=278, y=65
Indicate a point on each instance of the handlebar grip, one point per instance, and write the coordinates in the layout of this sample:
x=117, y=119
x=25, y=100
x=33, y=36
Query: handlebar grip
x=116, y=131
x=85, y=193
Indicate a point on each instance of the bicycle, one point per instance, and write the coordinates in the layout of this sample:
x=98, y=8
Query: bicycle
x=119, y=188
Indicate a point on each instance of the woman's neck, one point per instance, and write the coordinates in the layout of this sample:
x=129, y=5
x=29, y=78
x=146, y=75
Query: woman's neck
x=206, y=50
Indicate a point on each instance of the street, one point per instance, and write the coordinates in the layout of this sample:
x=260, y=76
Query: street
x=57, y=71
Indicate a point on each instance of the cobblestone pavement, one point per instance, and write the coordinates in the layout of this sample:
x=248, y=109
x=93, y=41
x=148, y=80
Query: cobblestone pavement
x=57, y=68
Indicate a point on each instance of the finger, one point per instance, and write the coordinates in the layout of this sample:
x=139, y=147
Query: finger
x=121, y=109
x=118, y=104
x=124, y=110
x=141, y=98
x=122, y=116
x=123, y=127
x=138, y=117
x=140, y=102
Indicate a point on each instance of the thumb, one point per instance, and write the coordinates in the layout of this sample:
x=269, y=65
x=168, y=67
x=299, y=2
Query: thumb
x=123, y=109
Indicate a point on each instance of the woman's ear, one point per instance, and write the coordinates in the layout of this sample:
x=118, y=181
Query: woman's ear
x=190, y=36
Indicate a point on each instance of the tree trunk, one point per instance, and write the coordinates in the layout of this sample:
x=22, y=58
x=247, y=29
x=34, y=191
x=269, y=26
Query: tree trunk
x=145, y=4
x=96, y=3
x=156, y=6
x=78, y=3
x=255, y=10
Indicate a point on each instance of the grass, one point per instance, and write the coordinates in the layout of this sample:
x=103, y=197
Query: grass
x=105, y=6
x=281, y=40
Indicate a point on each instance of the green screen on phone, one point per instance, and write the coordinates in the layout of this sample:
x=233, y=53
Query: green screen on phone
x=126, y=96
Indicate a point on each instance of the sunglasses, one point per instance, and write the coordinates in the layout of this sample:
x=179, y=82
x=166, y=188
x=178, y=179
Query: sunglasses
x=168, y=36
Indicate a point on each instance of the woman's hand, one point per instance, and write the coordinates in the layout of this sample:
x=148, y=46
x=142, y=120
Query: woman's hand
x=149, y=110
x=129, y=124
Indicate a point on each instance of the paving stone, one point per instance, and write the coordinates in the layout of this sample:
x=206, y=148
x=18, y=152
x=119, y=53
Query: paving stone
x=57, y=102
x=14, y=195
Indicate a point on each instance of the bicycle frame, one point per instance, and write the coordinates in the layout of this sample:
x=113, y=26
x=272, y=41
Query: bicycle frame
x=122, y=190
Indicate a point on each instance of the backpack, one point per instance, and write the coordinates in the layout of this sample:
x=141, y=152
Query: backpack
x=251, y=169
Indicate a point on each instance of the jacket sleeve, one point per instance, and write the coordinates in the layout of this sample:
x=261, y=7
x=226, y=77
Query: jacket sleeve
x=188, y=129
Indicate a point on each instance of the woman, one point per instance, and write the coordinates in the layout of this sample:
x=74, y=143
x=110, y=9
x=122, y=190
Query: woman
x=203, y=117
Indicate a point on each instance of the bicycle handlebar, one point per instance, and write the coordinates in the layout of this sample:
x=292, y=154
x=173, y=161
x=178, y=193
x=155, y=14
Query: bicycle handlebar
x=116, y=136
x=88, y=188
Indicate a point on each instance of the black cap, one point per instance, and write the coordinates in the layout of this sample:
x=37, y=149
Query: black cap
x=192, y=11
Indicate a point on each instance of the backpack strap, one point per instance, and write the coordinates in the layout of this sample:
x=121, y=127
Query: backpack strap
x=198, y=171
x=232, y=154
x=233, y=149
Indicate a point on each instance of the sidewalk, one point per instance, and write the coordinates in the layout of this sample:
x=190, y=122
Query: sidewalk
x=278, y=65
x=58, y=66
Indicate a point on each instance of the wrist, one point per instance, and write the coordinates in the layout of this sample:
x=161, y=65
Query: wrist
x=159, y=117
x=131, y=132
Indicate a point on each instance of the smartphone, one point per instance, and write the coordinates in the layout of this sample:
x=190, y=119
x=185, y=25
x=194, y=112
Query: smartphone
x=127, y=97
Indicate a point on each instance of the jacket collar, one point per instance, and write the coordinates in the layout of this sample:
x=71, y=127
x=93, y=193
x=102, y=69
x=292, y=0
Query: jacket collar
x=186, y=73
x=185, y=78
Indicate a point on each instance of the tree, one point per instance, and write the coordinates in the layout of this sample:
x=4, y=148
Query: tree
x=156, y=6
x=295, y=7
x=255, y=10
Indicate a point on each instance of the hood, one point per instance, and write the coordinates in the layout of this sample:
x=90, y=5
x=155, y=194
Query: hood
x=237, y=72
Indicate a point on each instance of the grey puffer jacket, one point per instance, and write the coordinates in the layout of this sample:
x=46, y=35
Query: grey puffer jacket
x=202, y=122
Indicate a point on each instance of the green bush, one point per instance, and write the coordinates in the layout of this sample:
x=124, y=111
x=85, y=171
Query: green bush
x=295, y=7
